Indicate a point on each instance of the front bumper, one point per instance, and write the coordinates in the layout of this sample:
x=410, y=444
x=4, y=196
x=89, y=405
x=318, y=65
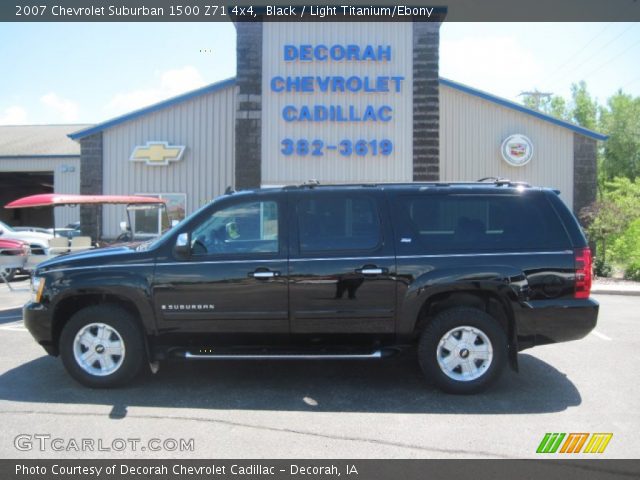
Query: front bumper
x=554, y=321
x=37, y=319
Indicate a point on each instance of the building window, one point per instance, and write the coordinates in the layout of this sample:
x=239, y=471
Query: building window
x=148, y=222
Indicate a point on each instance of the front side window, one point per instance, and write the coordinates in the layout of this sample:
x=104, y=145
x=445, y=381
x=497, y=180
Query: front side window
x=338, y=223
x=250, y=227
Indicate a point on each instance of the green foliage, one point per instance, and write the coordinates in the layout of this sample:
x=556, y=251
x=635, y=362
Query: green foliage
x=625, y=249
x=621, y=121
x=584, y=109
x=555, y=106
x=619, y=156
x=529, y=101
x=632, y=272
x=558, y=108
x=601, y=268
x=614, y=225
x=603, y=221
x=613, y=222
x=624, y=193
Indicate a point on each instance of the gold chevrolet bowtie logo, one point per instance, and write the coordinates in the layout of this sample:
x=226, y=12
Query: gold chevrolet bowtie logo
x=157, y=153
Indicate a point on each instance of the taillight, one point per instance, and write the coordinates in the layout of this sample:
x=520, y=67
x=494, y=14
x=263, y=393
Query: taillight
x=582, y=257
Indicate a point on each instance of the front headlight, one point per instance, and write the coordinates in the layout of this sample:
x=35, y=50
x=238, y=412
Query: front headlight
x=37, y=286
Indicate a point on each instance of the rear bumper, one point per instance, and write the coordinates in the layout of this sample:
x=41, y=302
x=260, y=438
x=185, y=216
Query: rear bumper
x=38, y=321
x=552, y=321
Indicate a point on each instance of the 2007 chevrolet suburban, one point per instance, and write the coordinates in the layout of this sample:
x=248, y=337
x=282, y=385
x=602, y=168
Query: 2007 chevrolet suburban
x=470, y=272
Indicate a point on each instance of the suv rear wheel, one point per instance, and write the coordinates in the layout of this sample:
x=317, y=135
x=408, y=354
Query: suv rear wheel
x=101, y=346
x=462, y=350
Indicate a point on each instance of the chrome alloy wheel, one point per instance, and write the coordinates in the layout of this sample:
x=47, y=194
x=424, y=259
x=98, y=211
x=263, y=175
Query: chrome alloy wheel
x=98, y=349
x=464, y=353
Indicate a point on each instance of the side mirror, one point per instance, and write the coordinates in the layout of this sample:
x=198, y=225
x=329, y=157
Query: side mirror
x=123, y=226
x=183, y=245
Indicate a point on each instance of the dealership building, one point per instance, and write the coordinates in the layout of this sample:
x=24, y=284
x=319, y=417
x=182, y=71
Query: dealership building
x=333, y=102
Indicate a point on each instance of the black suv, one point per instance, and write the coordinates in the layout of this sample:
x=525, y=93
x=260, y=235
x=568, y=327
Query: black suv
x=471, y=273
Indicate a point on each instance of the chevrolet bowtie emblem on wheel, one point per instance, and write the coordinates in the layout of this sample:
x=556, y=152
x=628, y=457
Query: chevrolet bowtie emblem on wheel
x=157, y=153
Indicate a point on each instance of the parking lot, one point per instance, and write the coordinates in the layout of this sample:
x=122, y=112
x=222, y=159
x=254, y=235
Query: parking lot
x=357, y=409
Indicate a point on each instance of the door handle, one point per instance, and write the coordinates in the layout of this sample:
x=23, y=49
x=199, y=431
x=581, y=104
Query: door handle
x=264, y=274
x=371, y=270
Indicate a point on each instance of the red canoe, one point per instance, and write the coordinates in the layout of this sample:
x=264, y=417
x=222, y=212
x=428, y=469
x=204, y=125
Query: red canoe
x=57, y=199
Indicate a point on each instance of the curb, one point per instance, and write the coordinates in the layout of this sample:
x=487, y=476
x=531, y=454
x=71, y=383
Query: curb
x=633, y=293
x=6, y=309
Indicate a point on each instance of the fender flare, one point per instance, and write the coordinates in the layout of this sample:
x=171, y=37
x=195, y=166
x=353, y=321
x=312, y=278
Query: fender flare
x=506, y=283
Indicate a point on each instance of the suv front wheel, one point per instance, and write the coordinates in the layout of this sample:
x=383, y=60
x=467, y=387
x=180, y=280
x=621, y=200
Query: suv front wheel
x=101, y=346
x=462, y=350
x=8, y=273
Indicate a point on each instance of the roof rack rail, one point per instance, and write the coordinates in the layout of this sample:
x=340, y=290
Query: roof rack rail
x=499, y=181
x=311, y=183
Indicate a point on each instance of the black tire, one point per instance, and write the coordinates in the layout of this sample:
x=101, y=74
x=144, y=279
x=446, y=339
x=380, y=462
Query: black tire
x=125, y=325
x=9, y=273
x=449, y=320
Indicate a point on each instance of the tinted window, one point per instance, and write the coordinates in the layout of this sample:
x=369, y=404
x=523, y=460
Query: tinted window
x=338, y=223
x=250, y=227
x=478, y=223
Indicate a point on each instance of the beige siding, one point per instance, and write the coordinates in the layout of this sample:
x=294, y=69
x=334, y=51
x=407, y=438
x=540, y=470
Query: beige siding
x=204, y=124
x=472, y=130
x=64, y=182
x=278, y=169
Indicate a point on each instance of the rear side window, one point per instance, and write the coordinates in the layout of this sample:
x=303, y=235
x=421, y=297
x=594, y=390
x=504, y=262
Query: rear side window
x=476, y=223
x=338, y=223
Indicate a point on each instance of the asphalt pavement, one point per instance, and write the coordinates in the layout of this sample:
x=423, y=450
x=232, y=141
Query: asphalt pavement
x=328, y=409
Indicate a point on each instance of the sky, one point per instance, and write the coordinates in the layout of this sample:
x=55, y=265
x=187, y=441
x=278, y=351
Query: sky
x=91, y=72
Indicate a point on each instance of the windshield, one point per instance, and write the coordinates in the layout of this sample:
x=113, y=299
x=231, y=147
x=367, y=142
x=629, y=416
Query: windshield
x=4, y=226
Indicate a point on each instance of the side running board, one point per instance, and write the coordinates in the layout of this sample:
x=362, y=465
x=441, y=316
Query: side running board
x=282, y=356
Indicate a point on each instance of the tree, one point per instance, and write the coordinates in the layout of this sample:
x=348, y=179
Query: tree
x=558, y=108
x=625, y=249
x=619, y=156
x=621, y=121
x=625, y=193
x=584, y=109
x=603, y=220
x=553, y=105
x=530, y=101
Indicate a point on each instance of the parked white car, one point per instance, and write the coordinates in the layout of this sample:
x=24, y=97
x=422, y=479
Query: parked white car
x=38, y=242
